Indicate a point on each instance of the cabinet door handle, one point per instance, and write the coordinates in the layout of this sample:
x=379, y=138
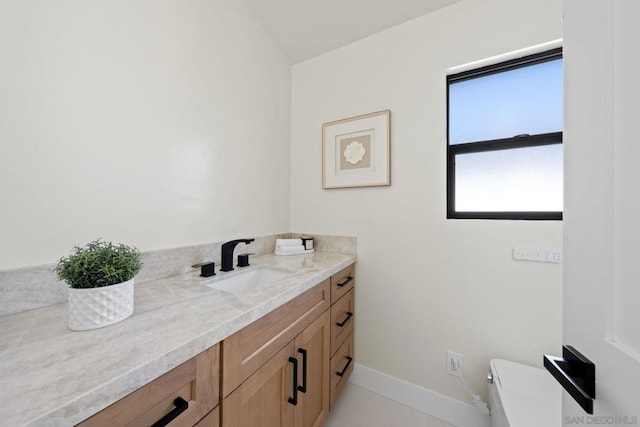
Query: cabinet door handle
x=181, y=405
x=344, y=322
x=348, y=279
x=303, y=387
x=294, y=400
x=341, y=373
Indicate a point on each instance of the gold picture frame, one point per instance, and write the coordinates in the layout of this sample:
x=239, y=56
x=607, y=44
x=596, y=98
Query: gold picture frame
x=356, y=151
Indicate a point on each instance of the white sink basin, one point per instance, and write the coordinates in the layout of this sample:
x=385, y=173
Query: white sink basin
x=243, y=281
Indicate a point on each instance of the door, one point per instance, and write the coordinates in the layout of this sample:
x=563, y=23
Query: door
x=264, y=399
x=312, y=347
x=602, y=204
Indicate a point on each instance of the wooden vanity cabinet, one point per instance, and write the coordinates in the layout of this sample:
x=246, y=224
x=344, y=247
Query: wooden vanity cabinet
x=190, y=391
x=290, y=388
x=289, y=367
x=342, y=323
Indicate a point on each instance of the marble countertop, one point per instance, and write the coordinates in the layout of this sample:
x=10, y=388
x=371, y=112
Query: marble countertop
x=51, y=376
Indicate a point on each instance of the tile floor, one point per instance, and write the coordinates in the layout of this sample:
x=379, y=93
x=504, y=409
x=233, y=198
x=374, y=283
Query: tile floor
x=359, y=407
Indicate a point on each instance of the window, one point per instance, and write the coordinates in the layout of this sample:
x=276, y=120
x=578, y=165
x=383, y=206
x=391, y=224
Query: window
x=504, y=140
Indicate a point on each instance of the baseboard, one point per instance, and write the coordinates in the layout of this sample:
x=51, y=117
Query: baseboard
x=419, y=398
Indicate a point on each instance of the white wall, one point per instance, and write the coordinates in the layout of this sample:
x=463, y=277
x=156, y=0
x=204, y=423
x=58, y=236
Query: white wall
x=154, y=123
x=426, y=284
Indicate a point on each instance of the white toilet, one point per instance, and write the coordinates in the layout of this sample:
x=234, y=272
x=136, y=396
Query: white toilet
x=523, y=396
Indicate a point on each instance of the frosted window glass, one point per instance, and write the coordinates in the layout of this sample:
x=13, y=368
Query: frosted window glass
x=514, y=180
x=525, y=100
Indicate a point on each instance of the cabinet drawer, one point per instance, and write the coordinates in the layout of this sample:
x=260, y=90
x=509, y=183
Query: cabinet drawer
x=248, y=349
x=341, y=368
x=195, y=381
x=342, y=319
x=342, y=282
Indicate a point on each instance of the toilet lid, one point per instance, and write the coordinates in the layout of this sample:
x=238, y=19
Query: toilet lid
x=530, y=396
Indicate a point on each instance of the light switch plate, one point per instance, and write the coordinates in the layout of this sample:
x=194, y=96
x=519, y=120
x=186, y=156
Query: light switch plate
x=537, y=254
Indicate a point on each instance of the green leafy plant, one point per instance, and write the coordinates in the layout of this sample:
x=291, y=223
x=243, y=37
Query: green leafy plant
x=99, y=264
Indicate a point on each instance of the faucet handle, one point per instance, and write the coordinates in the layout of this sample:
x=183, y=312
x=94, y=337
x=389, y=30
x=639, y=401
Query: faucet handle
x=243, y=260
x=207, y=268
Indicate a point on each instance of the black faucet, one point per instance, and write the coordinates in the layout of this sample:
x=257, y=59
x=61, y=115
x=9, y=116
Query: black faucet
x=227, y=253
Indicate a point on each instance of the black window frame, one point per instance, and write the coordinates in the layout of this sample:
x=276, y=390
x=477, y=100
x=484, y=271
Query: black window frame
x=518, y=141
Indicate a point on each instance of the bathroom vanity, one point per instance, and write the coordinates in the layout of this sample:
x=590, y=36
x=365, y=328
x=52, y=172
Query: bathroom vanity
x=292, y=349
x=192, y=353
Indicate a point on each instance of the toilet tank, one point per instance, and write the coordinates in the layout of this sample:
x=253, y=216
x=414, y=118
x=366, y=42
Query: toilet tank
x=523, y=396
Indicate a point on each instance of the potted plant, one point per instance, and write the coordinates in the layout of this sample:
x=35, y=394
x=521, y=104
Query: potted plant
x=100, y=278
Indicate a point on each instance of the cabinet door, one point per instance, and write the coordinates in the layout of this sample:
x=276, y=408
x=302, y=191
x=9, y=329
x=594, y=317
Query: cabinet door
x=312, y=348
x=263, y=399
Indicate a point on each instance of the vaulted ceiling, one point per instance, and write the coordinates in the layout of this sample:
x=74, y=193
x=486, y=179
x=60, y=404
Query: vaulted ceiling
x=307, y=28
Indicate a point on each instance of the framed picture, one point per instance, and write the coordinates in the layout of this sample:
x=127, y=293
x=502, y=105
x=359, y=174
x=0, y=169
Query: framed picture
x=356, y=151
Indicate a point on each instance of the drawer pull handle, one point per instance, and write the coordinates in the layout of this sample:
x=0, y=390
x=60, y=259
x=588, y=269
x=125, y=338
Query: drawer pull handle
x=347, y=280
x=303, y=387
x=294, y=400
x=181, y=405
x=344, y=322
x=341, y=373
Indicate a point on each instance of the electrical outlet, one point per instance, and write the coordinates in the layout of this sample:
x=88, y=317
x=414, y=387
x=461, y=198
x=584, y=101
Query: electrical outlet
x=455, y=365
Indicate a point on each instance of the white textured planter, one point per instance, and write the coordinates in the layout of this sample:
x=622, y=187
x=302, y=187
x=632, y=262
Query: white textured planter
x=92, y=308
